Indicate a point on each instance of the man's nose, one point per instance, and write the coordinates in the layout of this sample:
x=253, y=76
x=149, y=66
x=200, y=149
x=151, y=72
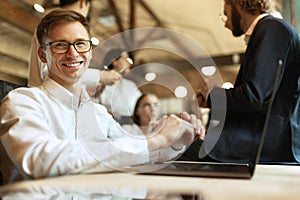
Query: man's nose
x=72, y=50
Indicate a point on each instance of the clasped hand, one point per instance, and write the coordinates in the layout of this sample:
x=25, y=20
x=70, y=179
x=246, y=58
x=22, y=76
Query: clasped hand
x=176, y=132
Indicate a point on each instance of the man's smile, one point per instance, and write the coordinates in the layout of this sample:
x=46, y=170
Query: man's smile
x=73, y=64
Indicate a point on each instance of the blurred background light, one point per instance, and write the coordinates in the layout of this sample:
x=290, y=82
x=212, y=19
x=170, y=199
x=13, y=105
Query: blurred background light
x=180, y=91
x=208, y=70
x=38, y=8
x=150, y=76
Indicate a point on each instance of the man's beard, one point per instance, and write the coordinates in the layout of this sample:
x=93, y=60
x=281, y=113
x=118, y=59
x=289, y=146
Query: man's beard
x=235, y=21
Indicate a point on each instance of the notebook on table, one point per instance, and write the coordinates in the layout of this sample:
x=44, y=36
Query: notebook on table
x=221, y=169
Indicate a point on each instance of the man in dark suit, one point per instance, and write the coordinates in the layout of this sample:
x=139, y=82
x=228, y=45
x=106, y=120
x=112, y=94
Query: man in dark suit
x=269, y=41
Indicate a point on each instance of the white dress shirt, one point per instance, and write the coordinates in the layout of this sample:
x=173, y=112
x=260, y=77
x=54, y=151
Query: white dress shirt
x=45, y=132
x=135, y=131
x=121, y=97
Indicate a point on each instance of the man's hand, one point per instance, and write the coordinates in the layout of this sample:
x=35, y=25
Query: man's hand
x=95, y=91
x=174, y=132
x=209, y=83
x=196, y=123
x=109, y=77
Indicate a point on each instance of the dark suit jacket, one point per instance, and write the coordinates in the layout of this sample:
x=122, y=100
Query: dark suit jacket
x=272, y=40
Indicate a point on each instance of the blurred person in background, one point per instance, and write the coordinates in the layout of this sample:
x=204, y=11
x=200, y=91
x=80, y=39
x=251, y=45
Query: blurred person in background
x=119, y=98
x=146, y=115
x=272, y=43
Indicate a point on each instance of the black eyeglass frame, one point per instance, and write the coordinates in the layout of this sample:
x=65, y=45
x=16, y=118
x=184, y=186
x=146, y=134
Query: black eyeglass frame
x=69, y=44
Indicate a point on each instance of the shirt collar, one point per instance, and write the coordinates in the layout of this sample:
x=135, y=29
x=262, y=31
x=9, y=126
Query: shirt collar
x=63, y=95
x=249, y=32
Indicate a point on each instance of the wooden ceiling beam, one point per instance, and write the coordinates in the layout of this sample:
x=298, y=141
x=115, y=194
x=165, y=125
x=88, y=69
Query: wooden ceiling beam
x=292, y=10
x=18, y=16
x=117, y=15
x=132, y=17
x=15, y=45
x=13, y=70
x=151, y=13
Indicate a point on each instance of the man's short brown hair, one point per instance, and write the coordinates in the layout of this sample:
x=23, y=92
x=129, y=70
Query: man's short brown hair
x=254, y=6
x=57, y=17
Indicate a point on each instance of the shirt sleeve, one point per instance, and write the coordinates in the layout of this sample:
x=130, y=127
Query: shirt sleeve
x=37, y=147
x=157, y=156
x=111, y=144
x=91, y=77
x=121, y=144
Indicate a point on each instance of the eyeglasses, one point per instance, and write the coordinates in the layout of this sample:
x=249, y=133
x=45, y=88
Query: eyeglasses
x=81, y=46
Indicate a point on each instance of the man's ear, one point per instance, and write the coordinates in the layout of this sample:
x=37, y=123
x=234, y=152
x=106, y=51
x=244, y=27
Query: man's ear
x=42, y=55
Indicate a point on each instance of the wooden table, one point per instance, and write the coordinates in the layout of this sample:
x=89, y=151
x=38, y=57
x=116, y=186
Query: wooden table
x=269, y=182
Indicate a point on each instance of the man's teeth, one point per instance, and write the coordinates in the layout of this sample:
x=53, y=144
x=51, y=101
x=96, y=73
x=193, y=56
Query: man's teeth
x=73, y=64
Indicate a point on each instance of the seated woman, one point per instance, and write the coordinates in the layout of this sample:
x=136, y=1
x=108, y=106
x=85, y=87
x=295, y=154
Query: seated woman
x=145, y=115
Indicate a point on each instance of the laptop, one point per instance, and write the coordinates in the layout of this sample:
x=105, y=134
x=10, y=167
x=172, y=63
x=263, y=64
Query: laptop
x=219, y=169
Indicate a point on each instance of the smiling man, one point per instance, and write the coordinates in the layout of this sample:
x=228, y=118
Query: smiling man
x=67, y=61
x=94, y=79
x=55, y=129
